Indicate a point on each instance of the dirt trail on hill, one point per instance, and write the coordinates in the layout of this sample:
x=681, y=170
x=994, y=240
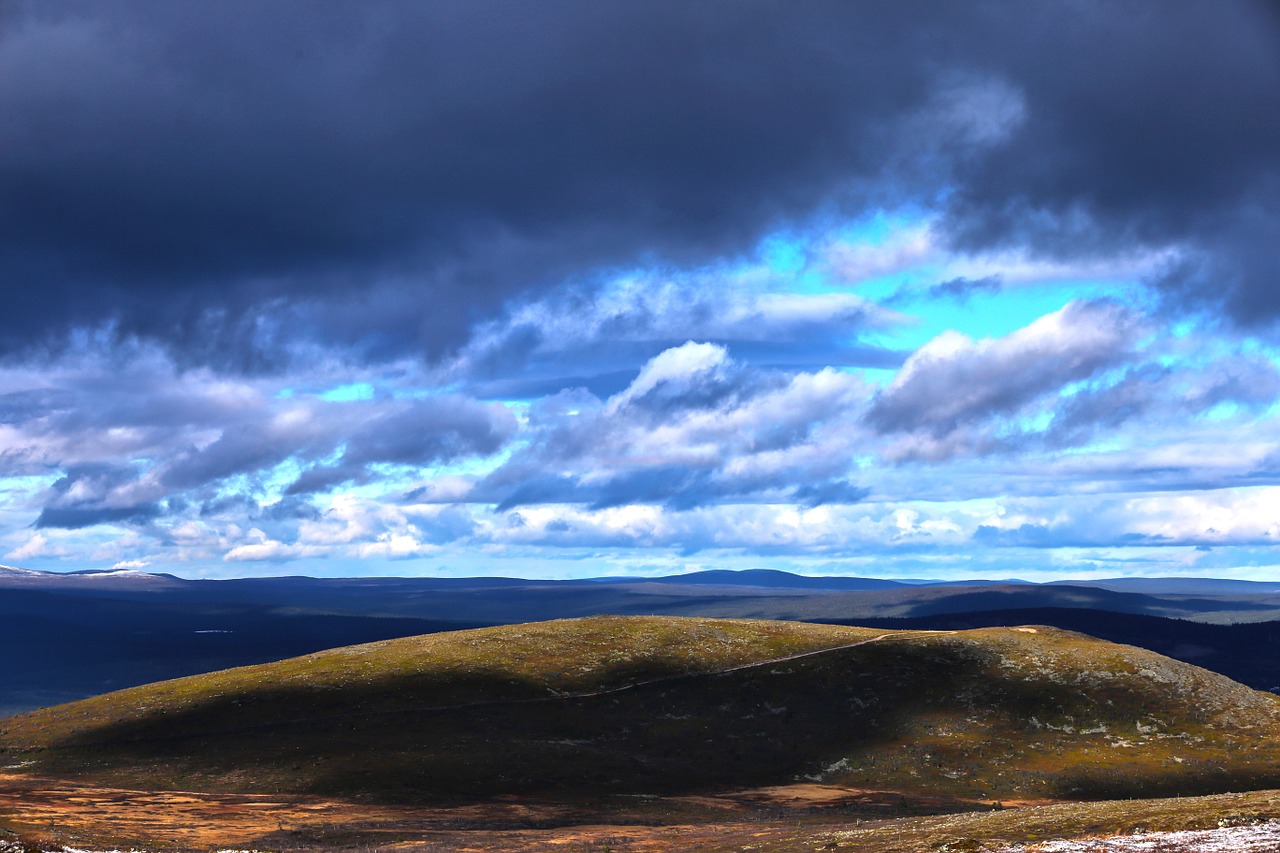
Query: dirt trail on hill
x=684, y=676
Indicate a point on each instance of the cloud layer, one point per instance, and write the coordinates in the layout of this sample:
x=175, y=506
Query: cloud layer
x=912, y=285
x=237, y=181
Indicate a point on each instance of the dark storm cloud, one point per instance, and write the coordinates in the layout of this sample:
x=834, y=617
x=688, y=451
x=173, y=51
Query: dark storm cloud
x=232, y=177
x=1147, y=124
x=180, y=168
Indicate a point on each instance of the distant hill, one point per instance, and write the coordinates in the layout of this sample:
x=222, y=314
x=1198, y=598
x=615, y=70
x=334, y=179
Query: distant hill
x=1184, y=586
x=765, y=579
x=580, y=708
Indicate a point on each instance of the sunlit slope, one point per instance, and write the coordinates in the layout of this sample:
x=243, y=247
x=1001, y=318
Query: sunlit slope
x=664, y=705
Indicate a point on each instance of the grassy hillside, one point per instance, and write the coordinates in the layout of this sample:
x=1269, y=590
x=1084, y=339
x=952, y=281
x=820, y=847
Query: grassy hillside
x=144, y=628
x=668, y=705
x=1248, y=653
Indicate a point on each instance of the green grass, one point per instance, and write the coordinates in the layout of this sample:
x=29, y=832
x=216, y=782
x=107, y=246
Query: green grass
x=581, y=708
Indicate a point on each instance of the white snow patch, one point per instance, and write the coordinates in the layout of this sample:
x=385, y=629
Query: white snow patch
x=1262, y=838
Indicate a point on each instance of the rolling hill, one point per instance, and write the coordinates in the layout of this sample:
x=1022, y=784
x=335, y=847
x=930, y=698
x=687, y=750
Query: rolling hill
x=660, y=705
x=102, y=631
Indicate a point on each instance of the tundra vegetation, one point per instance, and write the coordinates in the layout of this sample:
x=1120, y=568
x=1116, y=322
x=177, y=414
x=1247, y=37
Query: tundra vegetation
x=677, y=721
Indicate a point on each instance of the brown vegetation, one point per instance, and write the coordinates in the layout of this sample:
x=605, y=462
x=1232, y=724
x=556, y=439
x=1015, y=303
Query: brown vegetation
x=43, y=813
x=720, y=727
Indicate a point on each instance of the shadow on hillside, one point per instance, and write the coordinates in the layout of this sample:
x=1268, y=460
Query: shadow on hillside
x=943, y=714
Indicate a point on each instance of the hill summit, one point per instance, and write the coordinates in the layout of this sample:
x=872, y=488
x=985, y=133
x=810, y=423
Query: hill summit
x=667, y=705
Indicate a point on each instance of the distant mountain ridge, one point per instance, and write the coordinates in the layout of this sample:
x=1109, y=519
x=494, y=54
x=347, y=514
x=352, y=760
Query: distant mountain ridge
x=14, y=571
x=765, y=578
x=762, y=578
x=1181, y=586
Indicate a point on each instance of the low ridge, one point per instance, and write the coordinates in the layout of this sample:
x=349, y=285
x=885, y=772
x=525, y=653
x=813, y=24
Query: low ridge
x=672, y=705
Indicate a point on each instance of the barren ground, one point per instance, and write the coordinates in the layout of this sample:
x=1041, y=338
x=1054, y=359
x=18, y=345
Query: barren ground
x=63, y=813
x=54, y=814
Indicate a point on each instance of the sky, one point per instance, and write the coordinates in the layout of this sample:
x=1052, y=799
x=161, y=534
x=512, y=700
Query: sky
x=571, y=289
